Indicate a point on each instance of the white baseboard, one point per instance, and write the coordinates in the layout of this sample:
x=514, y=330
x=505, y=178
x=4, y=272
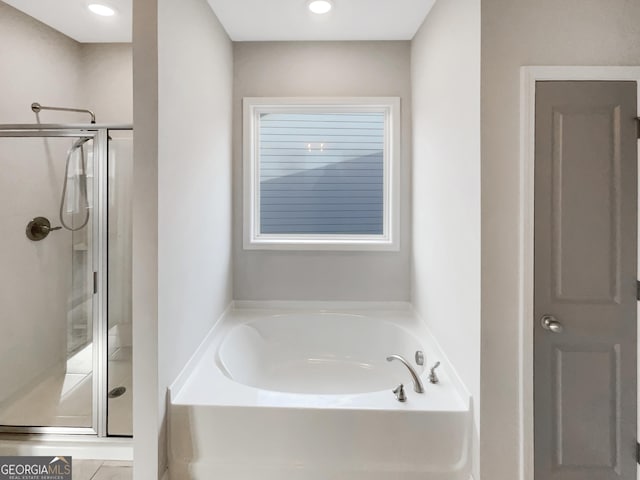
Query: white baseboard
x=75, y=446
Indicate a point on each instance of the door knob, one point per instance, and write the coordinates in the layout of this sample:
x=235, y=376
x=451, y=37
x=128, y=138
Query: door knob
x=550, y=323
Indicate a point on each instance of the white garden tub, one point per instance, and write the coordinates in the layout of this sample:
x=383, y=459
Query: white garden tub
x=290, y=394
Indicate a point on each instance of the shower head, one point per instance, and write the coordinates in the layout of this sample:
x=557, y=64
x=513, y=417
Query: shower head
x=37, y=108
x=80, y=142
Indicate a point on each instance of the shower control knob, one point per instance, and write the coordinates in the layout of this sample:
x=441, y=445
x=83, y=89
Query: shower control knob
x=39, y=228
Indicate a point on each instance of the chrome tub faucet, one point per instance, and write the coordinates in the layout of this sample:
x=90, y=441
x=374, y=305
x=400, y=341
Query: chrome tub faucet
x=417, y=384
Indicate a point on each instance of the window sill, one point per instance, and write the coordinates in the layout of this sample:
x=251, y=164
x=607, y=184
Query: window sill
x=290, y=244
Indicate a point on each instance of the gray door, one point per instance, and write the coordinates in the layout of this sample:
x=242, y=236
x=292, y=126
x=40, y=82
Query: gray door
x=585, y=280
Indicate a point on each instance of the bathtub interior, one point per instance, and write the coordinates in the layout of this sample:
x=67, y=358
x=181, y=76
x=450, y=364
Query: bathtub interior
x=320, y=353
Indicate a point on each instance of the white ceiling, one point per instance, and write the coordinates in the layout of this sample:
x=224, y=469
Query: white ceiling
x=247, y=20
x=72, y=18
x=269, y=20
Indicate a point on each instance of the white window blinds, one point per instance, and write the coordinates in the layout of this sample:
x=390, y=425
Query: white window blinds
x=321, y=173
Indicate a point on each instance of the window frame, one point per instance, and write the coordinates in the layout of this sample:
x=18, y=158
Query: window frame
x=253, y=107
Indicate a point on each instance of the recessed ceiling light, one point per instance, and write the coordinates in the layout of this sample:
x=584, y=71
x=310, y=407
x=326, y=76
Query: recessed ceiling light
x=102, y=10
x=320, y=6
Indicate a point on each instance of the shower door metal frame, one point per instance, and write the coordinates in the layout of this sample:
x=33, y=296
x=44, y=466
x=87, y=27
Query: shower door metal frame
x=99, y=249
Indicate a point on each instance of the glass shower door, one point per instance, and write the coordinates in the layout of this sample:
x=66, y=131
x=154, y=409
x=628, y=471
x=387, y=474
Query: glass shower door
x=48, y=314
x=119, y=348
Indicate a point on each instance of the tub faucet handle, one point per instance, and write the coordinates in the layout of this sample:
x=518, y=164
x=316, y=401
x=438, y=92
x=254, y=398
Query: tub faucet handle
x=433, y=377
x=399, y=392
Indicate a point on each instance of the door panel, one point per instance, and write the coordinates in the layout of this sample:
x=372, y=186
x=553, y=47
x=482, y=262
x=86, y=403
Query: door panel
x=586, y=195
x=585, y=276
x=587, y=376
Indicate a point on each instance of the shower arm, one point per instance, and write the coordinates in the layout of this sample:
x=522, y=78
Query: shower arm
x=36, y=107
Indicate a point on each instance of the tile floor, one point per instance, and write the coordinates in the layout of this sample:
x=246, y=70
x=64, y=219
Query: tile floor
x=102, y=470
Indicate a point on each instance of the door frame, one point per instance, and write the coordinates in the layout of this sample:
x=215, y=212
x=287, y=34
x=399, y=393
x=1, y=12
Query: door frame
x=529, y=75
x=99, y=133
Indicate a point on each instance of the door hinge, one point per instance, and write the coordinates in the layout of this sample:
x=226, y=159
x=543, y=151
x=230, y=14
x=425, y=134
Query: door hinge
x=95, y=282
x=638, y=126
x=637, y=452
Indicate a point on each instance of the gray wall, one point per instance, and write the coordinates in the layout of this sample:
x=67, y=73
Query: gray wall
x=149, y=448
x=107, y=82
x=272, y=69
x=194, y=178
x=445, y=67
x=544, y=32
x=182, y=204
x=39, y=64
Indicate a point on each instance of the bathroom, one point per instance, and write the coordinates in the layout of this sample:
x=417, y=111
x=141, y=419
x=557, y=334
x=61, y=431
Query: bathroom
x=456, y=258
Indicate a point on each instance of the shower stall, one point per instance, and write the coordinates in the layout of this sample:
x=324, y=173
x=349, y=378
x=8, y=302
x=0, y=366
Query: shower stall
x=65, y=279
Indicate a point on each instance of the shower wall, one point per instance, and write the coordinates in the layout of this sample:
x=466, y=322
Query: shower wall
x=43, y=65
x=38, y=63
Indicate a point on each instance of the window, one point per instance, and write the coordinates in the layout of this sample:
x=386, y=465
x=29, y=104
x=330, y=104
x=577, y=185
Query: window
x=321, y=173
